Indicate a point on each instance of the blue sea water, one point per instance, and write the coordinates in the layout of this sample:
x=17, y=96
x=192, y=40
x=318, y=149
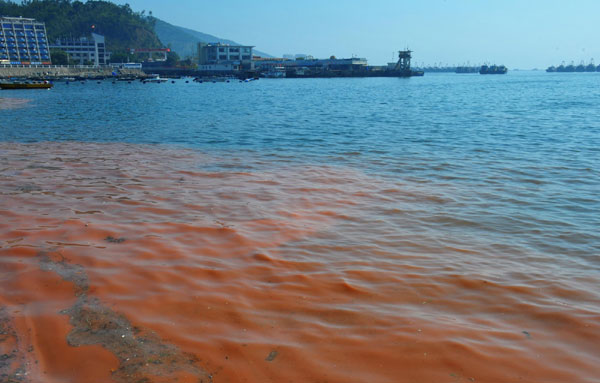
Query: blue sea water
x=509, y=155
x=445, y=225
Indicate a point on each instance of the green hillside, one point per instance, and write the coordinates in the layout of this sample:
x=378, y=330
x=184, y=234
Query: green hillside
x=122, y=27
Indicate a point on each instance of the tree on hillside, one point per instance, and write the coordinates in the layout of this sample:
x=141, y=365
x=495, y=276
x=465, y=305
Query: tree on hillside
x=59, y=57
x=119, y=57
x=187, y=63
x=172, y=59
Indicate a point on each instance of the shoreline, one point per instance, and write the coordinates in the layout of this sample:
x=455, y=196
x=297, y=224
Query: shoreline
x=64, y=72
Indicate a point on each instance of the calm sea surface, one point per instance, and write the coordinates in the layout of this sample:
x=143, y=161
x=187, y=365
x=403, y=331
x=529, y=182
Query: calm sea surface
x=435, y=229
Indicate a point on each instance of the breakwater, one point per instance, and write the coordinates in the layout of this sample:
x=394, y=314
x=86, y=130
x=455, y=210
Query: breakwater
x=64, y=71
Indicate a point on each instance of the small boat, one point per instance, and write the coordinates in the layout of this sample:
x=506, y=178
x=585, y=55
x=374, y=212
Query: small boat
x=276, y=72
x=155, y=79
x=26, y=85
x=64, y=79
x=213, y=79
x=219, y=79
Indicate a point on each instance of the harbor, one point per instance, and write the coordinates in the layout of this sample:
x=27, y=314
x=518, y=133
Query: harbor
x=310, y=68
x=27, y=53
x=304, y=67
x=321, y=192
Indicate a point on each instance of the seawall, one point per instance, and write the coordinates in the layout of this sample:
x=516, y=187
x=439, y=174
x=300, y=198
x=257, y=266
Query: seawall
x=64, y=71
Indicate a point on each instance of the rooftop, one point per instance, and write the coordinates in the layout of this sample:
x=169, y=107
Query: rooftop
x=225, y=45
x=18, y=19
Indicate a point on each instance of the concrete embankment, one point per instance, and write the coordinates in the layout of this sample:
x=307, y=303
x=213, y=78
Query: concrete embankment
x=58, y=71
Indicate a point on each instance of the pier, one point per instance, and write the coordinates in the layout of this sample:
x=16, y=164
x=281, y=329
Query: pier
x=333, y=67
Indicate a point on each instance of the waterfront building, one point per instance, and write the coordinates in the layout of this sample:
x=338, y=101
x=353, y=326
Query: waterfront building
x=23, y=42
x=224, y=57
x=91, y=50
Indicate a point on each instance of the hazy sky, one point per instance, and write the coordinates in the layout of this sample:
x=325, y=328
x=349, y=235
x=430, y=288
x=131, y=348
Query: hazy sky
x=517, y=33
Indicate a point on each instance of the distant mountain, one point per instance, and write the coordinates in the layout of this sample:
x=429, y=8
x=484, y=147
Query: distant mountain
x=185, y=41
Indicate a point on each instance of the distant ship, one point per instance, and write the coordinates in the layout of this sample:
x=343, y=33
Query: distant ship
x=466, y=69
x=591, y=67
x=493, y=69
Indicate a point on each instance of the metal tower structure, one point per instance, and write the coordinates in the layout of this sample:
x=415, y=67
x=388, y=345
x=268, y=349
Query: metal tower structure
x=404, y=58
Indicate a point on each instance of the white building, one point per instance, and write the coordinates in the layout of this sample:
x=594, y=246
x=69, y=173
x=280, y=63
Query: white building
x=23, y=42
x=224, y=58
x=85, y=50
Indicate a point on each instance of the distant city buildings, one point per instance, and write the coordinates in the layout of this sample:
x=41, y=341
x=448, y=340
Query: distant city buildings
x=23, y=42
x=224, y=58
x=84, y=50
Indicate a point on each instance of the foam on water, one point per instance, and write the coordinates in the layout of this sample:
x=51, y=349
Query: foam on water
x=13, y=103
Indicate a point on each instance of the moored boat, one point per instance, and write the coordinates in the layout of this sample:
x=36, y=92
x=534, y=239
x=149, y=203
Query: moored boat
x=590, y=67
x=26, y=85
x=494, y=69
x=275, y=72
x=214, y=79
x=155, y=79
x=582, y=67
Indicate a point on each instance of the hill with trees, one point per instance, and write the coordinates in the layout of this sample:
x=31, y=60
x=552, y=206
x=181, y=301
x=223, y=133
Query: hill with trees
x=185, y=41
x=122, y=27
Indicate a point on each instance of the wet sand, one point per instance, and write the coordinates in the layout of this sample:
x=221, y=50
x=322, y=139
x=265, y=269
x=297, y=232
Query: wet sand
x=133, y=263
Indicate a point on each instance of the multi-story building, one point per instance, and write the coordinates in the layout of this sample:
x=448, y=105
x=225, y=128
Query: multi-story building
x=224, y=58
x=23, y=42
x=84, y=50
